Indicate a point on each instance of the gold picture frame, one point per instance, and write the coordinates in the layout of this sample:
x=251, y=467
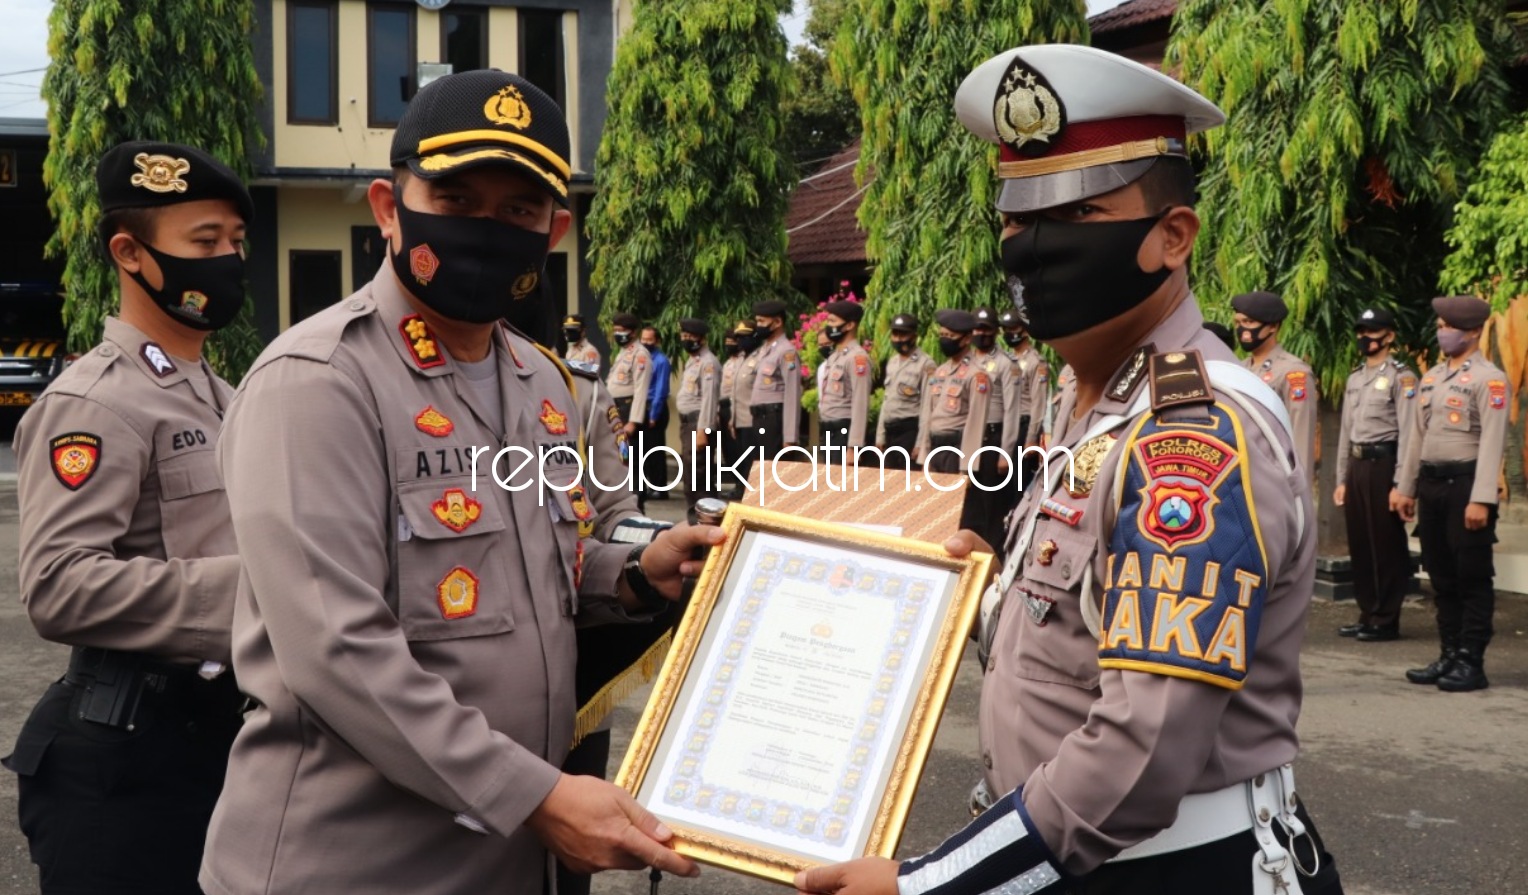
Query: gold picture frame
x=793, y=715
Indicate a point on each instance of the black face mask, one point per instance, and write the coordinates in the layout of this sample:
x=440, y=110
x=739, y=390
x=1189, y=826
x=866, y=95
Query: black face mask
x=1068, y=277
x=573, y=335
x=202, y=293
x=733, y=348
x=983, y=341
x=764, y=332
x=690, y=346
x=903, y=346
x=472, y=269
x=1251, y=337
x=824, y=352
x=1371, y=345
x=622, y=339
x=835, y=334
x=949, y=347
x=651, y=347
x=746, y=344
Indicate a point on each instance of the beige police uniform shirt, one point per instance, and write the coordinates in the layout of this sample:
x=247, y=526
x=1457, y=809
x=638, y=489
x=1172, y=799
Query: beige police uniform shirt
x=126, y=541
x=1108, y=732
x=742, y=391
x=1461, y=414
x=630, y=376
x=1293, y=379
x=902, y=396
x=1031, y=386
x=700, y=389
x=1064, y=381
x=583, y=352
x=409, y=639
x=845, y=390
x=730, y=369
x=999, y=369
x=1377, y=405
x=778, y=381
x=956, y=398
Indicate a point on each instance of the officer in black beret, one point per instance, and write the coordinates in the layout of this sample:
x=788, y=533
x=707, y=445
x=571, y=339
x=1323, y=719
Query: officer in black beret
x=699, y=406
x=907, y=372
x=127, y=544
x=1259, y=318
x=1447, y=483
x=845, y=382
x=776, y=399
x=955, y=403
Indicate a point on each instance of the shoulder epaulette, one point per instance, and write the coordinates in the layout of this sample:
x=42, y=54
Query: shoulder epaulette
x=1178, y=379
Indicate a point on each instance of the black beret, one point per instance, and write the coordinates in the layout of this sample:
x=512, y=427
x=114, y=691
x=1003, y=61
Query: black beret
x=144, y=174
x=1009, y=319
x=693, y=326
x=772, y=307
x=1463, y=311
x=849, y=311
x=1374, y=318
x=1264, y=307
x=485, y=117
x=985, y=317
x=573, y=320
x=955, y=320
x=630, y=321
x=743, y=328
x=906, y=323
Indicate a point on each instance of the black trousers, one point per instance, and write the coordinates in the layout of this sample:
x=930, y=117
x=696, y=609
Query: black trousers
x=984, y=511
x=770, y=418
x=1377, y=542
x=724, y=424
x=655, y=462
x=944, y=461
x=700, y=469
x=902, y=433
x=1458, y=560
x=1216, y=868
x=747, y=442
x=839, y=430
x=589, y=758
x=110, y=811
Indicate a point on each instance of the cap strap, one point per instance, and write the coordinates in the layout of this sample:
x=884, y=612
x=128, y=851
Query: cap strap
x=443, y=141
x=1124, y=152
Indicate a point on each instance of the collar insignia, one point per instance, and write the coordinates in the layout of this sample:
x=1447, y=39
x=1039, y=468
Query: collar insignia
x=157, y=360
x=432, y=422
x=1086, y=462
x=1027, y=112
x=420, y=342
x=556, y=421
x=456, y=511
x=160, y=173
x=1125, y=380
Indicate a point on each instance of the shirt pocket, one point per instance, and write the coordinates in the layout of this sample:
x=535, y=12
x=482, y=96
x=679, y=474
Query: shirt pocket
x=451, y=577
x=955, y=396
x=1060, y=650
x=192, y=505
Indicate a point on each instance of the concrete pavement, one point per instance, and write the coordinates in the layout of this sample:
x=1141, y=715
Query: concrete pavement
x=1417, y=792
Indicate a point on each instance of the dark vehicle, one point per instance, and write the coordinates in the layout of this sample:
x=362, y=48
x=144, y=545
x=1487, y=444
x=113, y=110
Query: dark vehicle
x=32, y=349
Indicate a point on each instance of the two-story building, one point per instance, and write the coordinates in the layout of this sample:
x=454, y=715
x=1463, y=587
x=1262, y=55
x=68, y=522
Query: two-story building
x=338, y=74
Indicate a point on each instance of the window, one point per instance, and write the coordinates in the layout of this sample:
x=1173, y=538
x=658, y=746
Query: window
x=389, y=62
x=464, y=38
x=312, y=63
x=541, y=51
x=315, y=282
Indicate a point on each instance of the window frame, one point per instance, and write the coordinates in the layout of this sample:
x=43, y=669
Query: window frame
x=482, y=14
x=411, y=69
x=332, y=8
x=560, y=96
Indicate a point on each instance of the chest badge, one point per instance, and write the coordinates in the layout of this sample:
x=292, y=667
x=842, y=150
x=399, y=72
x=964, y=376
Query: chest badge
x=1045, y=553
x=1060, y=511
x=556, y=421
x=420, y=342
x=432, y=422
x=1086, y=462
x=1037, y=607
x=456, y=510
x=1381, y=383
x=76, y=457
x=457, y=593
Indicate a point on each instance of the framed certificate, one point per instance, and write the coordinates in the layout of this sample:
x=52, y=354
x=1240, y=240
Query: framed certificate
x=791, y=719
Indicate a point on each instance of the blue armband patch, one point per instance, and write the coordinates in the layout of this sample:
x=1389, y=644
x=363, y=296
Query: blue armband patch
x=1187, y=571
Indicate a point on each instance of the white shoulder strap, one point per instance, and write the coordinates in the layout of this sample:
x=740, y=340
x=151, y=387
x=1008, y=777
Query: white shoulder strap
x=1230, y=377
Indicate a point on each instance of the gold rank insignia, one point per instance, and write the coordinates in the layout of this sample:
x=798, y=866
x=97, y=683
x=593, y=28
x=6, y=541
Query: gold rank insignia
x=456, y=511
x=556, y=421
x=508, y=107
x=1027, y=114
x=76, y=457
x=432, y=422
x=420, y=342
x=160, y=173
x=1086, y=462
x=457, y=593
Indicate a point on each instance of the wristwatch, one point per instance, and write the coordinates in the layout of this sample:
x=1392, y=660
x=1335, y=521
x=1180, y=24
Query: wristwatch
x=648, y=597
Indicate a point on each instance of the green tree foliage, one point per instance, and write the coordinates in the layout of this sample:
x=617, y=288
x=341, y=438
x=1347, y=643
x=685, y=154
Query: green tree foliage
x=821, y=117
x=1489, y=237
x=931, y=231
x=693, y=180
x=1352, y=129
x=147, y=70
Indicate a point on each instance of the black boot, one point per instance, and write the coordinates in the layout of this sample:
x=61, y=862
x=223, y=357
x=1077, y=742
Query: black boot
x=1431, y=674
x=1468, y=673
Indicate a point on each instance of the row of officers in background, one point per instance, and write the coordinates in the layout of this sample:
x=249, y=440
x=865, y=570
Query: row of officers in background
x=1422, y=449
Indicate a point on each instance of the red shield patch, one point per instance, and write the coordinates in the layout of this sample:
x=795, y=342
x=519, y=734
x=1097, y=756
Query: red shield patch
x=1175, y=513
x=1498, y=392
x=423, y=264
x=432, y=422
x=1296, y=385
x=76, y=457
x=556, y=421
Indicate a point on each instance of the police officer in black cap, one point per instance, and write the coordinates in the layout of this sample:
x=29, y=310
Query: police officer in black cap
x=845, y=383
x=955, y=404
x=777, y=383
x=1259, y=319
x=907, y=372
x=127, y=544
x=699, y=405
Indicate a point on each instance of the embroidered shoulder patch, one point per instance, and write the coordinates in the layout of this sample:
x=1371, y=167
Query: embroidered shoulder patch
x=1498, y=393
x=420, y=342
x=76, y=457
x=861, y=365
x=1297, y=386
x=982, y=382
x=1408, y=385
x=1187, y=572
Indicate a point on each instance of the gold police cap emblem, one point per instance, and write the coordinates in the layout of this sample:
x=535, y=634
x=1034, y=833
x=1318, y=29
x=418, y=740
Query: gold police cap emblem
x=508, y=107
x=160, y=173
x=1027, y=112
